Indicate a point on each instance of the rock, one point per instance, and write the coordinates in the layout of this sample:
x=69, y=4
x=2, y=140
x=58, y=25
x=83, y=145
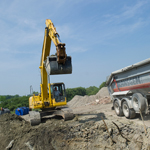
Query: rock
x=10, y=145
x=110, y=131
x=91, y=131
x=135, y=146
x=142, y=130
x=62, y=144
x=97, y=100
x=118, y=148
x=137, y=137
x=106, y=136
x=96, y=126
x=148, y=147
x=121, y=139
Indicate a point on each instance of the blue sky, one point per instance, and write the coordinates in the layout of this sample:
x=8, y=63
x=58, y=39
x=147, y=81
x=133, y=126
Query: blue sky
x=101, y=36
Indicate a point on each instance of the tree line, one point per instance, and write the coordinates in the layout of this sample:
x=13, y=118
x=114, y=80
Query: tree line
x=15, y=101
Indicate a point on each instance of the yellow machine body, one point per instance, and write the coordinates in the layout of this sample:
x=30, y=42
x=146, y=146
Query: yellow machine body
x=46, y=98
x=36, y=102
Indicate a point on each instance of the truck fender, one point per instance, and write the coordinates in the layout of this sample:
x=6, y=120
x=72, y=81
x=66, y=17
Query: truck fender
x=128, y=102
x=119, y=101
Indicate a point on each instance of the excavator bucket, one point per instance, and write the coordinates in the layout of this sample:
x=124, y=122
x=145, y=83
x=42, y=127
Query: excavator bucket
x=53, y=67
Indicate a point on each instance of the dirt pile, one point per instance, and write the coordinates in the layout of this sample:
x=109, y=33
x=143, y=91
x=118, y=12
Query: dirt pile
x=86, y=132
x=18, y=134
x=102, y=93
x=102, y=97
x=76, y=134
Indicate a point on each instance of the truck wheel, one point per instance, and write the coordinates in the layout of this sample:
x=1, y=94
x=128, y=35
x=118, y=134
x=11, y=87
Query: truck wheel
x=129, y=113
x=117, y=108
x=138, y=101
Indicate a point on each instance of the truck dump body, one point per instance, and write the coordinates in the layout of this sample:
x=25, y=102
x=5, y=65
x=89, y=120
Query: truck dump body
x=135, y=78
x=129, y=89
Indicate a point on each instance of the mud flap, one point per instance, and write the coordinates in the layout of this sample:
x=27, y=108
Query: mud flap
x=53, y=67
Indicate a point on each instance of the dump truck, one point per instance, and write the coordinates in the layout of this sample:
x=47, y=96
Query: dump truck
x=129, y=89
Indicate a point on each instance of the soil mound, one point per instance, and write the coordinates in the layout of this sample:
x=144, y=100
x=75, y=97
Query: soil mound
x=103, y=92
x=102, y=97
x=82, y=134
x=16, y=134
x=75, y=100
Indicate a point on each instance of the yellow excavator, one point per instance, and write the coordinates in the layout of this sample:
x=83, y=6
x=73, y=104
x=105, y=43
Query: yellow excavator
x=52, y=97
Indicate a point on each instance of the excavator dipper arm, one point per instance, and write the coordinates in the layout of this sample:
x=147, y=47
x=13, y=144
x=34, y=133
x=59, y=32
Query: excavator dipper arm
x=59, y=63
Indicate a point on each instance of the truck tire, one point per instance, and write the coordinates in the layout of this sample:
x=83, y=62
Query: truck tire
x=138, y=101
x=129, y=113
x=117, y=108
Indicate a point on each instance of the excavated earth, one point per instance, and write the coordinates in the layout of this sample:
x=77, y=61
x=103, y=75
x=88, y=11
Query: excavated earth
x=95, y=127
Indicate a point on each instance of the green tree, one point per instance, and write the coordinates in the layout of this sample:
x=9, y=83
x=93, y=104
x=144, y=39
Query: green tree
x=92, y=90
x=102, y=85
x=71, y=92
x=36, y=93
x=13, y=102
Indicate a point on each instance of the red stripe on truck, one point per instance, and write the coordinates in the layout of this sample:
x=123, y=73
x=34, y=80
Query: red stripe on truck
x=133, y=87
x=116, y=85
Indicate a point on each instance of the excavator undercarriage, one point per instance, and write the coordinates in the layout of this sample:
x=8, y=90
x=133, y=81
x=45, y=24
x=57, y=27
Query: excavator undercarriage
x=36, y=116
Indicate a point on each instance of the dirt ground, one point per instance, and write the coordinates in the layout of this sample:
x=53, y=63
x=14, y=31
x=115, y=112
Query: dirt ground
x=95, y=127
x=86, y=132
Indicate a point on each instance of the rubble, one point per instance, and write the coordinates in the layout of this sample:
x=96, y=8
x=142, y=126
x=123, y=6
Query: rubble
x=102, y=97
x=87, y=131
x=57, y=134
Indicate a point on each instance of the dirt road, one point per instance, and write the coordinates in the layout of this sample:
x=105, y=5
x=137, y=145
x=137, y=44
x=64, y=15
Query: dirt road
x=107, y=110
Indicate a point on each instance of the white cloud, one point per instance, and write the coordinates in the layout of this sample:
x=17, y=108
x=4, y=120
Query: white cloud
x=125, y=13
x=131, y=11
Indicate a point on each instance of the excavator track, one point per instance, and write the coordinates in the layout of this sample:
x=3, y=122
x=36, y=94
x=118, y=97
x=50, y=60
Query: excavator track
x=35, y=118
x=65, y=112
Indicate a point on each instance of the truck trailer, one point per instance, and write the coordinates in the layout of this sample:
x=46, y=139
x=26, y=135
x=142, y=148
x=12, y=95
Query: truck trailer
x=129, y=89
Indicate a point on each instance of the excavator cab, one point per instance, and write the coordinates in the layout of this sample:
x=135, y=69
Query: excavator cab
x=58, y=92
